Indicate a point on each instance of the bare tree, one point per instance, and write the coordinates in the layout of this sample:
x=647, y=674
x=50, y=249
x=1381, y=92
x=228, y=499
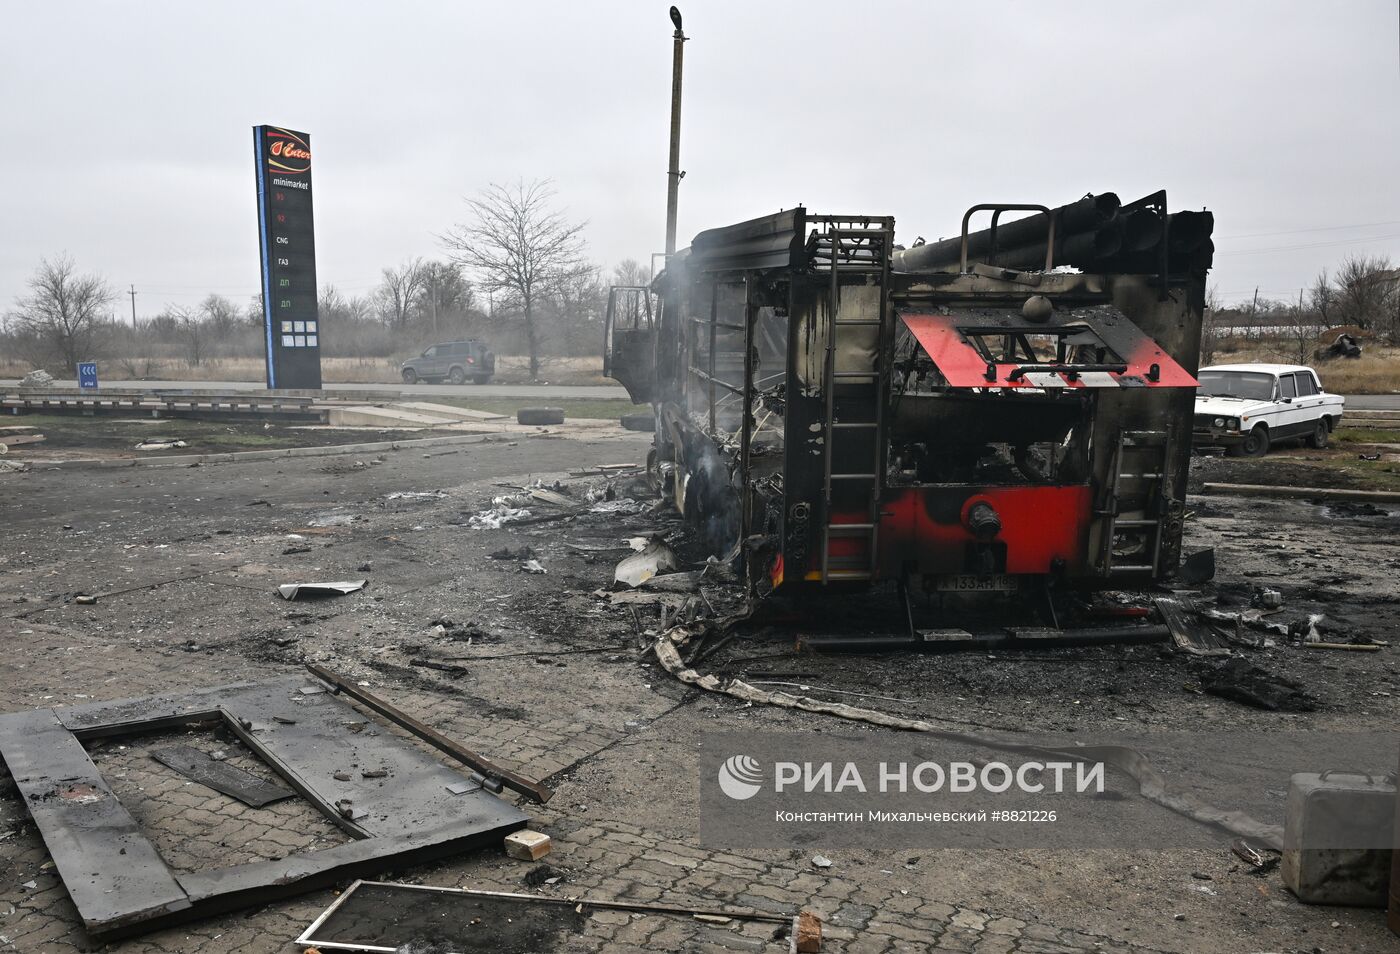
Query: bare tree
x=398, y=292
x=1210, y=325
x=1302, y=325
x=1364, y=295
x=518, y=244
x=1323, y=298
x=221, y=315
x=194, y=334
x=64, y=311
x=629, y=271
x=445, y=292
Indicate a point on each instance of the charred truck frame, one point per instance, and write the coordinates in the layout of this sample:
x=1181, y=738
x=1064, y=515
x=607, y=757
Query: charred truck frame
x=961, y=415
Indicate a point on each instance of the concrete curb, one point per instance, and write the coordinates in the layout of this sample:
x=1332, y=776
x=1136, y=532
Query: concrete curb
x=234, y=457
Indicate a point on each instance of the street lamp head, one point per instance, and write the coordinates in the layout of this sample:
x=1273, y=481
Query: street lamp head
x=676, y=18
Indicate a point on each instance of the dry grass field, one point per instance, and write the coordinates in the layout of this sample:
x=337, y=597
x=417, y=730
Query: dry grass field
x=510, y=369
x=1376, y=372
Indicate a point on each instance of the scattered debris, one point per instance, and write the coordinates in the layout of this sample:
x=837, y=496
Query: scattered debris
x=552, y=497
x=506, y=553
x=1266, y=598
x=295, y=591
x=1189, y=631
x=376, y=915
x=526, y=845
x=38, y=378
x=220, y=776
x=1306, y=630
x=821, y=861
x=653, y=559
x=503, y=510
x=1197, y=568
x=160, y=443
x=416, y=495
x=1255, y=857
x=1240, y=681
x=541, y=875
x=85, y=599
x=533, y=566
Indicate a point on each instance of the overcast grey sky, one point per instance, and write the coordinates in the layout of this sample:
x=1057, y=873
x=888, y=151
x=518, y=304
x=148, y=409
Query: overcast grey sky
x=129, y=142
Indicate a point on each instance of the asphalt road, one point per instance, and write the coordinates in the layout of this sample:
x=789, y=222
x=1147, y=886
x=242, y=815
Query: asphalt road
x=417, y=390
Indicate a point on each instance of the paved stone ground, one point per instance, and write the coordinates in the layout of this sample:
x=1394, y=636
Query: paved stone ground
x=185, y=563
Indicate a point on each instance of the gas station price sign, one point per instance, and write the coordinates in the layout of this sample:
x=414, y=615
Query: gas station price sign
x=287, y=243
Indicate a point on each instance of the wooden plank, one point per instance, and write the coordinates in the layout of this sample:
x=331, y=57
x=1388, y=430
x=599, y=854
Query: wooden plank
x=1271, y=490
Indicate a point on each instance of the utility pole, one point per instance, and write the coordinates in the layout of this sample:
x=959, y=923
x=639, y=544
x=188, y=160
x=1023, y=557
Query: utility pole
x=674, y=174
x=432, y=285
x=132, y=293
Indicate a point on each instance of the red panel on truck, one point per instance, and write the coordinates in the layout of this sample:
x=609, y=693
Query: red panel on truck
x=947, y=340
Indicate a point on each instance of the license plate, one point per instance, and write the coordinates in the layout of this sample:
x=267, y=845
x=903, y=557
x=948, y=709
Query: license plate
x=968, y=583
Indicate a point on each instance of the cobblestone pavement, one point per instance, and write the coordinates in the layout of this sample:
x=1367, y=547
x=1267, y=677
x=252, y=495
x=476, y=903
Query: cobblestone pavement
x=185, y=563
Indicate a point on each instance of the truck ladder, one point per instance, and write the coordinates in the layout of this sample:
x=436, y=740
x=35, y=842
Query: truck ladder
x=860, y=250
x=1139, y=474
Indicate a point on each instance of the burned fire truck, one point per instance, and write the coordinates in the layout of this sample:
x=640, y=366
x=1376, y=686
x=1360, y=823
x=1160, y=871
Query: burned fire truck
x=1008, y=409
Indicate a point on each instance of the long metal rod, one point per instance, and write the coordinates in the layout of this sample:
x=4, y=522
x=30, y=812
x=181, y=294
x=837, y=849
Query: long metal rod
x=516, y=783
x=746, y=422
x=673, y=173
x=1070, y=638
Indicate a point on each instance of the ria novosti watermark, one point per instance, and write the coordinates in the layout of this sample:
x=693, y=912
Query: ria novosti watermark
x=905, y=790
x=741, y=777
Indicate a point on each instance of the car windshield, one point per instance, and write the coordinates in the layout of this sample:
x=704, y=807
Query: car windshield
x=1251, y=385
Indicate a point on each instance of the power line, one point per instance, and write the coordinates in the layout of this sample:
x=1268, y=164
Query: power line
x=1290, y=248
x=1323, y=228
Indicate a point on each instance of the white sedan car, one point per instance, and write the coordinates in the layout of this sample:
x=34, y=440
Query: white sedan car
x=1247, y=408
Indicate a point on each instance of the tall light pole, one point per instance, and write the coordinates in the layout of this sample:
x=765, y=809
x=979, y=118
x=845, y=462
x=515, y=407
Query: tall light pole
x=674, y=174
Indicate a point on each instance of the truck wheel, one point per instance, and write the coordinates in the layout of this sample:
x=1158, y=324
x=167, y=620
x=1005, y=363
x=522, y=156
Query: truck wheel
x=643, y=421
x=457, y=376
x=1257, y=443
x=1319, y=436
x=410, y=376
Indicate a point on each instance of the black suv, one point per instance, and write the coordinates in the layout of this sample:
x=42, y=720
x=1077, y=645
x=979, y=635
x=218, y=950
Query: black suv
x=456, y=362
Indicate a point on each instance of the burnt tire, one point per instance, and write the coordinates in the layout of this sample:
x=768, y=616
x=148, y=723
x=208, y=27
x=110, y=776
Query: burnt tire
x=1256, y=444
x=539, y=415
x=456, y=376
x=1321, y=432
x=639, y=422
x=409, y=376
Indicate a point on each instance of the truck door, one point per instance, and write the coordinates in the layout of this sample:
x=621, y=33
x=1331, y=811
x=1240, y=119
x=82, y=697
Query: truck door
x=629, y=343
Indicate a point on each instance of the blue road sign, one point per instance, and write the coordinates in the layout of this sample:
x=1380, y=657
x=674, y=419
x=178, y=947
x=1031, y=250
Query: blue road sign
x=87, y=375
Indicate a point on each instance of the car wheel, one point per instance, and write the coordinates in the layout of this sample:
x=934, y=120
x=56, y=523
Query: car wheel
x=456, y=376
x=1319, y=435
x=1257, y=443
x=410, y=376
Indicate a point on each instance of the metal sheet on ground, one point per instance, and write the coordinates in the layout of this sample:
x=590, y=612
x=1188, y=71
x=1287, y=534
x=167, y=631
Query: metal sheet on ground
x=220, y=776
x=324, y=749
x=112, y=873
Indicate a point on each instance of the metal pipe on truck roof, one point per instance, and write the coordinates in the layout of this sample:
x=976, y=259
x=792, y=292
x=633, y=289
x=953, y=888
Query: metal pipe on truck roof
x=1086, y=214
